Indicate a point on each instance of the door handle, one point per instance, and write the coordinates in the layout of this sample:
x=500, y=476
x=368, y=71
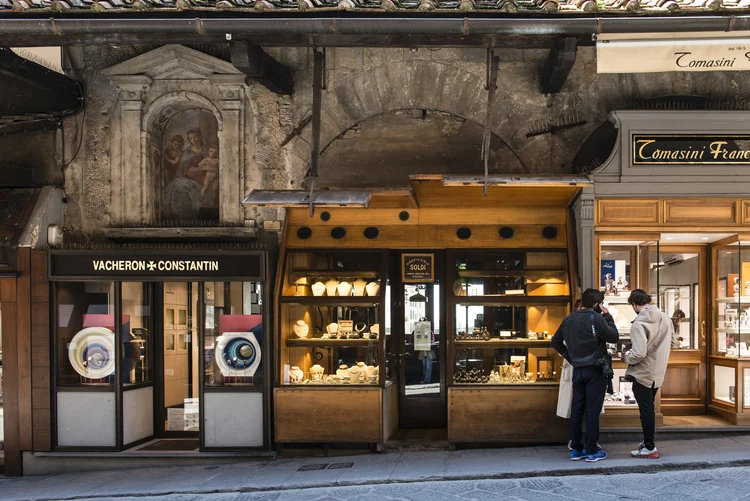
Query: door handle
x=703, y=329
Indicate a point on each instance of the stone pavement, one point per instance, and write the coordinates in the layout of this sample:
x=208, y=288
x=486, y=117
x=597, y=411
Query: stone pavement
x=694, y=467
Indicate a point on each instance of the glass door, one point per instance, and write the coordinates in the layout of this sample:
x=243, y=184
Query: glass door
x=422, y=397
x=179, y=360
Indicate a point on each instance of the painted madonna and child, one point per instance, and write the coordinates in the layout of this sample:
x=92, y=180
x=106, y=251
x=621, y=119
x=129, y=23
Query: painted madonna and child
x=191, y=169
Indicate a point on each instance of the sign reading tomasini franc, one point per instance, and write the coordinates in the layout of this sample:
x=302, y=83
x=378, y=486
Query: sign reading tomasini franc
x=417, y=268
x=153, y=266
x=682, y=149
x=646, y=55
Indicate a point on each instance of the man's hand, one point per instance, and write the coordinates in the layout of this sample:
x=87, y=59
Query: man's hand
x=603, y=308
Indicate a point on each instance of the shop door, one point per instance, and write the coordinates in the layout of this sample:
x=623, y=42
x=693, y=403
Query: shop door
x=177, y=361
x=420, y=323
x=677, y=276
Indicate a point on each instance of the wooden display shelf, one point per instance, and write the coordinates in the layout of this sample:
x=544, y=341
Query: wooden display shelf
x=501, y=300
x=300, y=273
x=501, y=343
x=520, y=272
x=733, y=299
x=331, y=300
x=341, y=343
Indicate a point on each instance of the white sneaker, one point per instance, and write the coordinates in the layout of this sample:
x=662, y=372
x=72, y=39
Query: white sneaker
x=644, y=453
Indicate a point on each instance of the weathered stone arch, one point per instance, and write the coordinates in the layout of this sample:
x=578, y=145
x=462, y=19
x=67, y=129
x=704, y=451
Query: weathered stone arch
x=426, y=85
x=168, y=105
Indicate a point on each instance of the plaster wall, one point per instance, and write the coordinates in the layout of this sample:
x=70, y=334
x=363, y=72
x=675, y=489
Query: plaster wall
x=368, y=84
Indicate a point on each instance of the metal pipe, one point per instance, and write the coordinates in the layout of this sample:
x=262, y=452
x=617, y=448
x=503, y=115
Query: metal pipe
x=113, y=28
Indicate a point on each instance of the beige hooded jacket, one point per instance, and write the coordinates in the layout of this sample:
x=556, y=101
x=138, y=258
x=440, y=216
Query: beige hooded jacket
x=652, y=334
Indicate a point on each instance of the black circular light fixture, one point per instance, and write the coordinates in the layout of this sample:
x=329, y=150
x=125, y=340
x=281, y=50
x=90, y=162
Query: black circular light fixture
x=463, y=233
x=338, y=232
x=506, y=232
x=325, y=216
x=372, y=232
x=403, y=215
x=549, y=232
x=304, y=233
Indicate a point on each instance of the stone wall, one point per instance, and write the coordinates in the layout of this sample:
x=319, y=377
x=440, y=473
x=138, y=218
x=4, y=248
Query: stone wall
x=366, y=91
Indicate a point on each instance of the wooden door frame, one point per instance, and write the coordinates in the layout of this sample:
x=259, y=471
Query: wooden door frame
x=439, y=266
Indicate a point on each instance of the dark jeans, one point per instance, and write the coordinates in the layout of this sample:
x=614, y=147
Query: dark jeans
x=589, y=385
x=645, y=398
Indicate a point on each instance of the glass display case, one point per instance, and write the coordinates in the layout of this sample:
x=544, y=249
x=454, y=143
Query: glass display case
x=733, y=301
x=331, y=316
x=506, y=305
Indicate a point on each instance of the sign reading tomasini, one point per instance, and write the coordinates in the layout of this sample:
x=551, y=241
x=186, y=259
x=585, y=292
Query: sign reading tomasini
x=681, y=149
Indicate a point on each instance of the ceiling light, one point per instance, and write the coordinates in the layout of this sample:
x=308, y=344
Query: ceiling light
x=704, y=238
x=669, y=238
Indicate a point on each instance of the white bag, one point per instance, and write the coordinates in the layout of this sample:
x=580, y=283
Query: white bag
x=565, y=396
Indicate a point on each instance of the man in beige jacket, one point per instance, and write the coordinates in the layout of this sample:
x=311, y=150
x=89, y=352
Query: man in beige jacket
x=653, y=336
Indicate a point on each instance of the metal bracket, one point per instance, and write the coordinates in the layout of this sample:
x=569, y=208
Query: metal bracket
x=493, y=62
x=318, y=72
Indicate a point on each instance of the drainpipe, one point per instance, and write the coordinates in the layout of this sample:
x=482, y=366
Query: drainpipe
x=114, y=29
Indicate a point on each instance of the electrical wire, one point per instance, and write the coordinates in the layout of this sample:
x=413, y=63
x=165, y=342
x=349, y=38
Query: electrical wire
x=81, y=109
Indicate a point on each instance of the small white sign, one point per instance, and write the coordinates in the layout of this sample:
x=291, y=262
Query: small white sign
x=422, y=336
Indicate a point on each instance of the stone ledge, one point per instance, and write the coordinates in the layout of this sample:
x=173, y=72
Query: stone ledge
x=152, y=233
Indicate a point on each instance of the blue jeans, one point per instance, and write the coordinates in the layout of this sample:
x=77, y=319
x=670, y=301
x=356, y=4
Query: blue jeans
x=589, y=385
x=427, y=366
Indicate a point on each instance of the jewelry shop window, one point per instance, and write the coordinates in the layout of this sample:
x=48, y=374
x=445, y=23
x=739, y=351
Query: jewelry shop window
x=137, y=334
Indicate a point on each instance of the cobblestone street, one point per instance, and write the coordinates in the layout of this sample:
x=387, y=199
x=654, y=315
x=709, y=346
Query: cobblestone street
x=725, y=484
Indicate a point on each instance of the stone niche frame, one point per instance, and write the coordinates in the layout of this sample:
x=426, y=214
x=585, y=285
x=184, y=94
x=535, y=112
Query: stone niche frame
x=154, y=87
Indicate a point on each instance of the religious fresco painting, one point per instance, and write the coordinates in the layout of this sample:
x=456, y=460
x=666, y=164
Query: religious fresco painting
x=190, y=167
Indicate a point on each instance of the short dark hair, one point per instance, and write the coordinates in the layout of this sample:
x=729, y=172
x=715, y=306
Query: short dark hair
x=639, y=297
x=590, y=297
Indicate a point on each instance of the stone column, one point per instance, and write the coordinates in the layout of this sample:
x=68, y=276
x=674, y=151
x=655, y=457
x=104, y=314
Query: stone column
x=231, y=145
x=584, y=211
x=130, y=182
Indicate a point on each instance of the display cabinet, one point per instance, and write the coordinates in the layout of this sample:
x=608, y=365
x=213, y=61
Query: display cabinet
x=504, y=310
x=331, y=347
x=730, y=357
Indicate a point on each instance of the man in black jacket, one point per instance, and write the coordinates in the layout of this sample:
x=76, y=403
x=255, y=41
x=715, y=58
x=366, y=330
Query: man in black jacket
x=582, y=339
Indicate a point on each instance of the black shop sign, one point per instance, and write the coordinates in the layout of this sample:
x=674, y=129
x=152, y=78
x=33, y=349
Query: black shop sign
x=684, y=149
x=417, y=268
x=154, y=266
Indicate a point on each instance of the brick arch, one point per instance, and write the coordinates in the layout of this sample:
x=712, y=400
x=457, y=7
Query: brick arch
x=426, y=85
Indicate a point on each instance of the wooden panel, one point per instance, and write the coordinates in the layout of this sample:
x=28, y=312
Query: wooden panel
x=328, y=416
x=432, y=193
x=627, y=212
x=390, y=411
x=8, y=289
x=745, y=211
x=504, y=414
x=681, y=381
x=41, y=399
x=23, y=333
x=12, y=445
x=700, y=212
x=443, y=237
x=511, y=215
x=354, y=216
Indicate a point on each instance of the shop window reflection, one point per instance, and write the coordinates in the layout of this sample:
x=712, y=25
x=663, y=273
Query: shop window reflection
x=137, y=333
x=85, y=333
x=233, y=333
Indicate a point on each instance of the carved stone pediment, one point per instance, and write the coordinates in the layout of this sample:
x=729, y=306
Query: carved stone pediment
x=172, y=62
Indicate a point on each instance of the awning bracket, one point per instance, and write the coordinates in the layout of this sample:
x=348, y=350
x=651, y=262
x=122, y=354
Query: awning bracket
x=493, y=62
x=318, y=70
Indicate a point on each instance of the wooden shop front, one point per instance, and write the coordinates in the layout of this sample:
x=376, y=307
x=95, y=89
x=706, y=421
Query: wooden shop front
x=676, y=223
x=431, y=309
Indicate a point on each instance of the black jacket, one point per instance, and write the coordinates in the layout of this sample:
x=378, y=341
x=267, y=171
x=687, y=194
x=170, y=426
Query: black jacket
x=581, y=346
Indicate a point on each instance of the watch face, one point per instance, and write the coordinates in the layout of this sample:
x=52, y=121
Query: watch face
x=91, y=352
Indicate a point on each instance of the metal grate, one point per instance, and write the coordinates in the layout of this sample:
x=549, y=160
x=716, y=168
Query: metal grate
x=339, y=466
x=313, y=467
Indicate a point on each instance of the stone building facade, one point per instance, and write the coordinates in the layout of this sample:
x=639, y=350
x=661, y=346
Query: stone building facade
x=386, y=113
